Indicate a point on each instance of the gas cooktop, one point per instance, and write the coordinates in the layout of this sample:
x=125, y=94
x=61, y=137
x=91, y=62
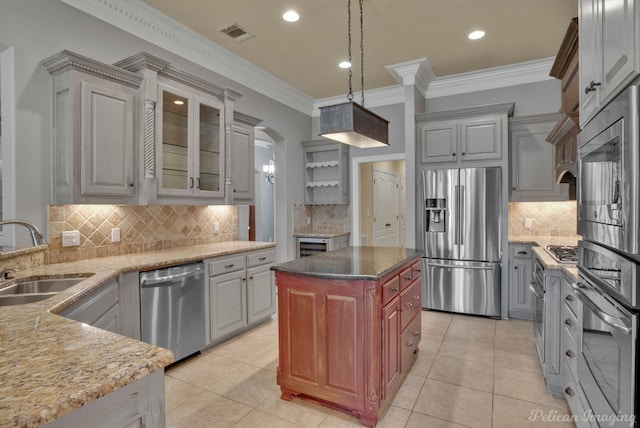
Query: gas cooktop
x=563, y=253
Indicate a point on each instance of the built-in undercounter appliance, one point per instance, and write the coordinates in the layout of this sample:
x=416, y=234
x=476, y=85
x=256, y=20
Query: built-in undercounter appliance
x=172, y=308
x=462, y=224
x=608, y=365
x=609, y=175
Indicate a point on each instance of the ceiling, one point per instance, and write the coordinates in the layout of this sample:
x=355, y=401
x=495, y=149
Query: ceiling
x=305, y=54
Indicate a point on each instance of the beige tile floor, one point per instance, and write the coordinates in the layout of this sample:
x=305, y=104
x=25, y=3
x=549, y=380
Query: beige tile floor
x=471, y=371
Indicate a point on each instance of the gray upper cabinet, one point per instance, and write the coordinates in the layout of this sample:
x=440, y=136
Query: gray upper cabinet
x=532, y=160
x=609, y=34
x=95, y=126
x=469, y=135
x=189, y=150
x=242, y=158
x=326, y=172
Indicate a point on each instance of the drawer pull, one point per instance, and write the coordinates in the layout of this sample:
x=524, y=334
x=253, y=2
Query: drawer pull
x=395, y=290
x=569, y=391
x=569, y=298
x=407, y=278
x=569, y=353
x=416, y=298
x=261, y=259
x=522, y=253
x=229, y=266
x=568, y=322
x=409, y=344
x=409, y=305
x=416, y=333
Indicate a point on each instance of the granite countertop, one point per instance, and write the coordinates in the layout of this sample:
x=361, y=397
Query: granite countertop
x=321, y=235
x=570, y=269
x=539, y=250
x=370, y=263
x=51, y=365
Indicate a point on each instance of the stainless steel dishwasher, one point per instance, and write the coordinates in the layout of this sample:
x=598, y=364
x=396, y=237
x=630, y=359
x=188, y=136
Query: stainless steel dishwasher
x=172, y=308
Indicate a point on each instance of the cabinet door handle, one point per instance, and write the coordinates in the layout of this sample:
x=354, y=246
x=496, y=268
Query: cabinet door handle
x=387, y=224
x=416, y=298
x=453, y=154
x=190, y=182
x=407, y=278
x=409, y=305
x=592, y=86
x=409, y=344
x=395, y=290
x=250, y=277
x=416, y=333
x=130, y=184
x=515, y=267
x=569, y=391
x=569, y=298
x=198, y=183
x=522, y=253
x=569, y=353
x=463, y=153
x=568, y=322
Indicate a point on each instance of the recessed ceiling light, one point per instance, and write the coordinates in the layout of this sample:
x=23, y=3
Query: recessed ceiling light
x=475, y=35
x=291, y=16
x=178, y=102
x=344, y=64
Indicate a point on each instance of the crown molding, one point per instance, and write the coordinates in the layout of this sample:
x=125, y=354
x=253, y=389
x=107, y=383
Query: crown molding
x=417, y=72
x=491, y=78
x=145, y=22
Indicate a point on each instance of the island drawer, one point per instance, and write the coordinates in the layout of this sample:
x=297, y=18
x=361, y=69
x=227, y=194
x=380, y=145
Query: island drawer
x=390, y=289
x=222, y=265
x=410, y=339
x=410, y=302
x=260, y=258
x=416, y=270
x=405, y=278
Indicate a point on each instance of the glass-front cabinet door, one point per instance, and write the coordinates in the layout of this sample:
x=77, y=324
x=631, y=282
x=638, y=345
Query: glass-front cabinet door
x=190, y=144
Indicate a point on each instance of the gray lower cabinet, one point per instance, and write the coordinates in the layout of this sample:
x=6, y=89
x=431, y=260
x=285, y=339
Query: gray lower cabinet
x=136, y=405
x=241, y=292
x=100, y=308
x=520, y=299
x=114, y=306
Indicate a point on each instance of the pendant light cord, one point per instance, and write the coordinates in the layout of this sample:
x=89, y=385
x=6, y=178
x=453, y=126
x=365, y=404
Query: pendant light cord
x=350, y=94
x=362, y=52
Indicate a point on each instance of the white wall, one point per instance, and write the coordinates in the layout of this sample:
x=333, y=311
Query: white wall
x=64, y=27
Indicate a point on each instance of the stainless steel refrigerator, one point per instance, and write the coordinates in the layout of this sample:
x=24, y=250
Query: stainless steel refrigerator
x=462, y=224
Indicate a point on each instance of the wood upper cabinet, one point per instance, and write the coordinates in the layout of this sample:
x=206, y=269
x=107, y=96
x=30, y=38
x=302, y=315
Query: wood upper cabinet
x=95, y=125
x=609, y=58
x=476, y=134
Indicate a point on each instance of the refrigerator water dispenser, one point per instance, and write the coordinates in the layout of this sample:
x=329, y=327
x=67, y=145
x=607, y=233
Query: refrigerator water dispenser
x=436, y=213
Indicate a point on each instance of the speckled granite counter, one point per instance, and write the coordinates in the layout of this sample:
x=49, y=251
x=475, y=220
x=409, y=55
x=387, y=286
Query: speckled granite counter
x=321, y=235
x=351, y=263
x=50, y=365
x=540, y=243
x=569, y=269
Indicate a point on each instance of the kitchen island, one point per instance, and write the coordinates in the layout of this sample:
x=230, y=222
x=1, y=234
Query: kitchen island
x=349, y=326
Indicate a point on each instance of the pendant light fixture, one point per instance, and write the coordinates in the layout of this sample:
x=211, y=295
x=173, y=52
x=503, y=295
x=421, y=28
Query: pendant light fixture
x=351, y=123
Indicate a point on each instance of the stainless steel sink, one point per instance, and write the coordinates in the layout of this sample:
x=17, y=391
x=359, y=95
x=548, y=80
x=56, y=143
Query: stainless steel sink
x=19, y=299
x=29, y=291
x=41, y=286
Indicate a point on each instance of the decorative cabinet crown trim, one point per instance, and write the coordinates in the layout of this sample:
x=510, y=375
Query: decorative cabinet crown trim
x=66, y=60
x=501, y=108
x=245, y=119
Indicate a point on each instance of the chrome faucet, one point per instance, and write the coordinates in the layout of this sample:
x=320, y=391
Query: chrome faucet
x=36, y=236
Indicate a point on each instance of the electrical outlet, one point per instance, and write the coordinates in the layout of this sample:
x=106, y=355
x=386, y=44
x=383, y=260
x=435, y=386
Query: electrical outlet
x=115, y=234
x=216, y=227
x=71, y=238
x=528, y=223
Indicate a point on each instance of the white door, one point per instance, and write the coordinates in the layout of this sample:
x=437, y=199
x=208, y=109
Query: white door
x=386, y=200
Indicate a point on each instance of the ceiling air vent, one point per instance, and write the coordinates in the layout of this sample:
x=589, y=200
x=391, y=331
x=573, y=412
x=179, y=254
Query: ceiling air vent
x=236, y=32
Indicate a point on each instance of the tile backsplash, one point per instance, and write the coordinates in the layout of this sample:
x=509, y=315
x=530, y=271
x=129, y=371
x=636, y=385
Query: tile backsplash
x=548, y=219
x=322, y=218
x=142, y=228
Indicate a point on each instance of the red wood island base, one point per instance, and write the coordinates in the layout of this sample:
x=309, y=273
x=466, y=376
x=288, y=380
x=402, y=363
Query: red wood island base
x=349, y=327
